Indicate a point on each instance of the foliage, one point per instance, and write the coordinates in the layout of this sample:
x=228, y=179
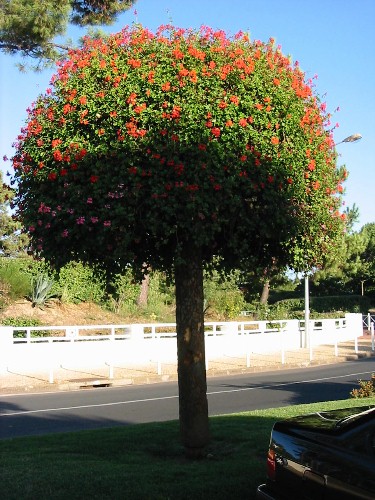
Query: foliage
x=160, y=298
x=14, y=283
x=222, y=295
x=12, y=242
x=366, y=388
x=293, y=308
x=79, y=282
x=23, y=321
x=210, y=129
x=352, y=268
x=29, y=27
x=123, y=293
x=41, y=293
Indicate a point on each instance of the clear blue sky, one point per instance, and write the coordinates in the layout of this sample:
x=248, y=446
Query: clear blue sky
x=334, y=39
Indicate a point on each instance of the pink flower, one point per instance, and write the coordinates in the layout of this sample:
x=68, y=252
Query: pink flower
x=107, y=223
x=80, y=220
x=89, y=200
x=65, y=233
x=94, y=220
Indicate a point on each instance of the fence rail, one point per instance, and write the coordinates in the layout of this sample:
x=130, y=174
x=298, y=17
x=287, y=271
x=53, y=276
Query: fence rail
x=48, y=347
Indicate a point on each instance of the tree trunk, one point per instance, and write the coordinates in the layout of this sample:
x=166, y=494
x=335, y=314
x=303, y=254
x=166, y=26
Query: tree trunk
x=265, y=292
x=192, y=384
x=143, y=294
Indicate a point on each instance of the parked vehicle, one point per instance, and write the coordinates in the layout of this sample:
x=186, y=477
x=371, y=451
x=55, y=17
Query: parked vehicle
x=324, y=455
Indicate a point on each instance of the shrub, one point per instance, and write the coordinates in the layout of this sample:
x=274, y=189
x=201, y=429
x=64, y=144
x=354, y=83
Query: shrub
x=160, y=298
x=77, y=282
x=14, y=283
x=366, y=388
x=123, y=299
x=222, y=294
x=23, y=321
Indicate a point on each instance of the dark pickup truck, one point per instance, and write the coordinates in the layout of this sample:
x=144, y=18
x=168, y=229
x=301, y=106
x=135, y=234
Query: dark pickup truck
x=324, y=455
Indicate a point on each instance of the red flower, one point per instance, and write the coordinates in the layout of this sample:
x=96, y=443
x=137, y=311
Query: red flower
x=243, y=122
x=177, y=54
x=57, y=155
x=132, y=98
x=94, y=178
x=274, y=140
x=52, y=176
x=216, y=131
x=134, y=63
x=166, y=87
x=311, y=165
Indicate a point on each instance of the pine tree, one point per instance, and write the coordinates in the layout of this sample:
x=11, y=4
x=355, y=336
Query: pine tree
x=29, y=27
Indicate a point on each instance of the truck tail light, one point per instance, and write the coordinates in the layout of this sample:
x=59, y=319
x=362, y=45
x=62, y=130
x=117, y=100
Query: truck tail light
x=271, y=464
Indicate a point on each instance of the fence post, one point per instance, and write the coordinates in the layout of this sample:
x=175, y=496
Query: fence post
x=51, y=377
x=372, y=336
x=111, y=353
x=282, y=346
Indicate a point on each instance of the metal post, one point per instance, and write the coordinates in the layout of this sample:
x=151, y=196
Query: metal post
x=307, y=312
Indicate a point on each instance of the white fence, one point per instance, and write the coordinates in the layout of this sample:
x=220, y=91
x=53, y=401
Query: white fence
x=49, y=347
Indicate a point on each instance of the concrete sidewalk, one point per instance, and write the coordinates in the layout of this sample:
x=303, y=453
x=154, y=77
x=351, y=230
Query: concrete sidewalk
x=64, y=379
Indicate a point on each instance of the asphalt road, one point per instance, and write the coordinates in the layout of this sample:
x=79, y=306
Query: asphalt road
x=38, y=414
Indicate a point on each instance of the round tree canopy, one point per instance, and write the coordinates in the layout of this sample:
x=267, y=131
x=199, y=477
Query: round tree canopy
x=147, y=144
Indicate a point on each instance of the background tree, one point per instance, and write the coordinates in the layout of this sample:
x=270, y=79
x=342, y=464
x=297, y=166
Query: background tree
x=351, y=265
x=12, y=241
x=30, y=27
x=175, y=150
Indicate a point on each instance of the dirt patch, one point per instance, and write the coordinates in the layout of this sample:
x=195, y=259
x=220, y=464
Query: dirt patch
x=63, y=314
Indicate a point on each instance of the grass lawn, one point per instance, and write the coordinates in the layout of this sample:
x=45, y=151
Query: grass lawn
x=146, y=461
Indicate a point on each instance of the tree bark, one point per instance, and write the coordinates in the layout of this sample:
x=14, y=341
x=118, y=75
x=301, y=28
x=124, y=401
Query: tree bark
x=193, y=406
x=265, y=292
x=143, y=294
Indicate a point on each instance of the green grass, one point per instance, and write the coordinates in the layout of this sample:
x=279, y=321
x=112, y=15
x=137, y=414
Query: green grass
x=146, y=461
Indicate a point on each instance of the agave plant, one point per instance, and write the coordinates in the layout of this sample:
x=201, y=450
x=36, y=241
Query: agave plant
x=41, y=294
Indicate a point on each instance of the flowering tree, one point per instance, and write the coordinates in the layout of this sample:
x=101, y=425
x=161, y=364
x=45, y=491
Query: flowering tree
x=175, y=150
